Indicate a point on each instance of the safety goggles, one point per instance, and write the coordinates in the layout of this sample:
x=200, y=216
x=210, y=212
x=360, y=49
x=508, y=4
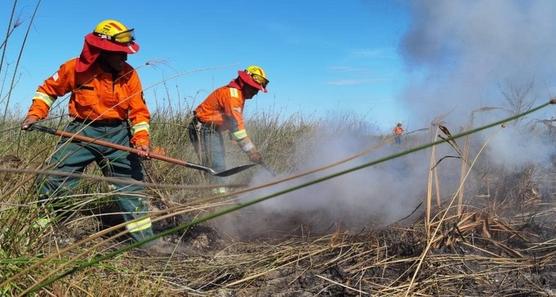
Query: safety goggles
x=259, y=79
x=123, y=37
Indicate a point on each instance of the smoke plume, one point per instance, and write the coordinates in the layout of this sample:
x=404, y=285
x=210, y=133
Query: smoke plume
x=464, y=55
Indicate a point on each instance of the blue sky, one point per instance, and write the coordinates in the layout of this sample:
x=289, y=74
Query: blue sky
x=321, y=57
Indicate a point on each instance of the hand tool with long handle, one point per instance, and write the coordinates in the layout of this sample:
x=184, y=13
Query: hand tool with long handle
x=87, y=139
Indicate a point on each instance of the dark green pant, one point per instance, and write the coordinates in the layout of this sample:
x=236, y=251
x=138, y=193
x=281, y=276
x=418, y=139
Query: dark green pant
x=73, y=157
x=209, y=145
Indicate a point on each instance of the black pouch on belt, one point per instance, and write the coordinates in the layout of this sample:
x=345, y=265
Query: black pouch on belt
x=194, y=133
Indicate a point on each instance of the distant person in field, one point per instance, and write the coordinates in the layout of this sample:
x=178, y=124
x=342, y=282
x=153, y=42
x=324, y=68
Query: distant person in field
x=398, y=131
x=106, y=103
x=222, y=111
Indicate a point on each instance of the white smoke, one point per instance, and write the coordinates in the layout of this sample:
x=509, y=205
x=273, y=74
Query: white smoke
x=516, y=147
x=464, y=54
x=366, y=199
x=468, y=55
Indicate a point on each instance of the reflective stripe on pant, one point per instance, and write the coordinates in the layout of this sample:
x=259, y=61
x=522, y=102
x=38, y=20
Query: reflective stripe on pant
x=139, y=225
x=73, y=157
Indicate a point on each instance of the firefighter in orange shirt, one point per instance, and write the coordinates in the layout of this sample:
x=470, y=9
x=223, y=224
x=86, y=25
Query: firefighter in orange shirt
x=223, y=110
x=107, y=103
x=398, y=131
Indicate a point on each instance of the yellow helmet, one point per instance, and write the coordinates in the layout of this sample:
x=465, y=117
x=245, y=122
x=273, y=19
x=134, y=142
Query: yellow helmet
x=255, y=76
x=112, y=35
x=114, y=31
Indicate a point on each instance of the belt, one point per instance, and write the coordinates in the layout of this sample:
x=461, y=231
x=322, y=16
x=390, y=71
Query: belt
x=101, y=123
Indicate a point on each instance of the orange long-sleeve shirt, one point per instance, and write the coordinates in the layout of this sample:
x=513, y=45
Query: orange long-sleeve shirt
x=97, y=96
x=224, y=109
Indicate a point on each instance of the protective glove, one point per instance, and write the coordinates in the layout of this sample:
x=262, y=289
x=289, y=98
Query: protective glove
x=28, y=122
x=144, y=150
x=255, y=156
x=141, y=141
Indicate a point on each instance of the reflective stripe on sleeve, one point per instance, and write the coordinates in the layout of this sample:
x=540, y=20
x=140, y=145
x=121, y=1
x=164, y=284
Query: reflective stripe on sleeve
x=139, y=225
x=239, y=134
x=44, y=98
x=142, y=126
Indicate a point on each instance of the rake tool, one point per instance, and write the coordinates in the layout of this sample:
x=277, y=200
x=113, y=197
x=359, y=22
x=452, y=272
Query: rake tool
x=82, y=138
